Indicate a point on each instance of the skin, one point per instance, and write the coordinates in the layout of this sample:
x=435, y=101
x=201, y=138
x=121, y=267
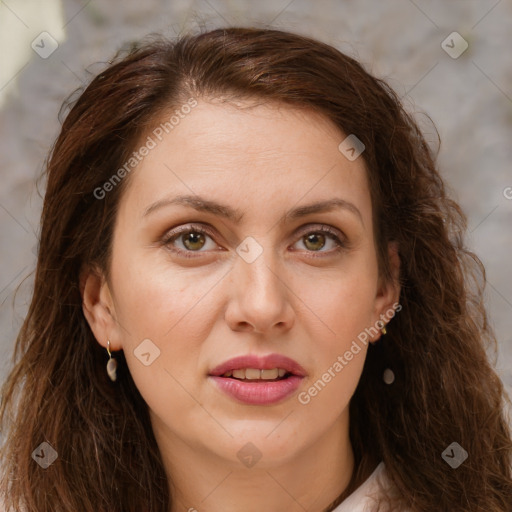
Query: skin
x=264, y=161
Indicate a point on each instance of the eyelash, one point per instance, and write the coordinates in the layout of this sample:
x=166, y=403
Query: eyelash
x=173, y=235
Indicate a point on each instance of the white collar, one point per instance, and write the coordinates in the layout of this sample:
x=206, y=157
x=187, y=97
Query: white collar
x=359, y=500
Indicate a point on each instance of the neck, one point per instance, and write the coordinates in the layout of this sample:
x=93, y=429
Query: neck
x=309, y=479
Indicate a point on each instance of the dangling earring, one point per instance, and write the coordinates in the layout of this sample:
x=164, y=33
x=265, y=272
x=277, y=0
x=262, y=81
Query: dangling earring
x=389, y=375
x=111, y=365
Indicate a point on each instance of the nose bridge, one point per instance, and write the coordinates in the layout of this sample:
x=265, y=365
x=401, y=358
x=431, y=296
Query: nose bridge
x=258, y=265
x=259, y=290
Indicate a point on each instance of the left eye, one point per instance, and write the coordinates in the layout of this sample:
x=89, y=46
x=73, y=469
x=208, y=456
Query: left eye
x=194, y=238
x=318, y=238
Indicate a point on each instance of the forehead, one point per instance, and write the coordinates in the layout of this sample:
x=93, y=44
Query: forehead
x=245, y=154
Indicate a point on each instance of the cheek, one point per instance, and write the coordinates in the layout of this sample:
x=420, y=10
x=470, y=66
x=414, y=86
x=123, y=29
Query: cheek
x=340, y=308
x=343, y=302
x=157, y=300
x=345, y=307
x=328, y=392
x=166, y=313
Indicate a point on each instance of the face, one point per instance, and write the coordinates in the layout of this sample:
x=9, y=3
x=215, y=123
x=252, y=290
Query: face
x=271, y=255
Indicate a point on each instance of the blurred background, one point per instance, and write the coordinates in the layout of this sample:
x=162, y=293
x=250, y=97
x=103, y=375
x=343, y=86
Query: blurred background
x=449, y=60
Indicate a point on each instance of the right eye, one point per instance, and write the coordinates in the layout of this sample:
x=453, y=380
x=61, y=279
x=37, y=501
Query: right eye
x=193, y=238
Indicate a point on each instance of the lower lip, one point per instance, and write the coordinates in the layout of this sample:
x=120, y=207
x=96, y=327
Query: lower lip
x=258, y=393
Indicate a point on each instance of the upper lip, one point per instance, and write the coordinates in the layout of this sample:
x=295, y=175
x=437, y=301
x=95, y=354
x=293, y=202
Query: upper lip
x=260, y=362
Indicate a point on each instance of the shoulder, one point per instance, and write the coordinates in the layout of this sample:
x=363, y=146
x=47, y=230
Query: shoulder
x=363, y=499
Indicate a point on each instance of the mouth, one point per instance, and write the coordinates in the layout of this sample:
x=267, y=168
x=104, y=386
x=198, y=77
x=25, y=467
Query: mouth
x=259, y=380
x=252, y=367
x=256, y=375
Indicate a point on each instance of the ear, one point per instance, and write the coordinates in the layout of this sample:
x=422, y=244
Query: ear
x=98, y=307
x=388, y=292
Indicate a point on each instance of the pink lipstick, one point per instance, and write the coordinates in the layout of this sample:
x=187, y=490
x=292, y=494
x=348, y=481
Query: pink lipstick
x=254, y=380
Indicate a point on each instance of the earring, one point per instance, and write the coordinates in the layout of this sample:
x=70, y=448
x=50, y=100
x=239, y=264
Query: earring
x=388, y=376
x=111, y=365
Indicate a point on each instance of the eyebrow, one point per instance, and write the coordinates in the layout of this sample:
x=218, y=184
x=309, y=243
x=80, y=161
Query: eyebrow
x=203, y=204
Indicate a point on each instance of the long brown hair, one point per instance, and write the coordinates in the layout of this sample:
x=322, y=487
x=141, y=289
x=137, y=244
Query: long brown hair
x=445, y=389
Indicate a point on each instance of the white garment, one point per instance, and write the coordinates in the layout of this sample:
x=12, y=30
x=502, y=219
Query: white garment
x=359, y=500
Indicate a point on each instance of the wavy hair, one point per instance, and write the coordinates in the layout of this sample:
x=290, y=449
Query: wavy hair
x=445, y=389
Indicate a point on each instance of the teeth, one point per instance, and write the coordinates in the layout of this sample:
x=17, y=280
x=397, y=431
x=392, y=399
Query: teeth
x=270, y=374
x=255, y=374
x=252, y=373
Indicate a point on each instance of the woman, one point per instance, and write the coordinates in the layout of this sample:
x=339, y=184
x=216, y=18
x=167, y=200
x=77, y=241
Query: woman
x=250, y=278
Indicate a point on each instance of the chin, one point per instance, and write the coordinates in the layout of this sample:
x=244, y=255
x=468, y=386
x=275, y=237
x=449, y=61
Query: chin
x=259, y=443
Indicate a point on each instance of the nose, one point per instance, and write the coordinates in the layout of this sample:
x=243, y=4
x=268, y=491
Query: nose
x=259, y=296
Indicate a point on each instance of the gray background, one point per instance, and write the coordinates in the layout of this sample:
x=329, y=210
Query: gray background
x=469, y=99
